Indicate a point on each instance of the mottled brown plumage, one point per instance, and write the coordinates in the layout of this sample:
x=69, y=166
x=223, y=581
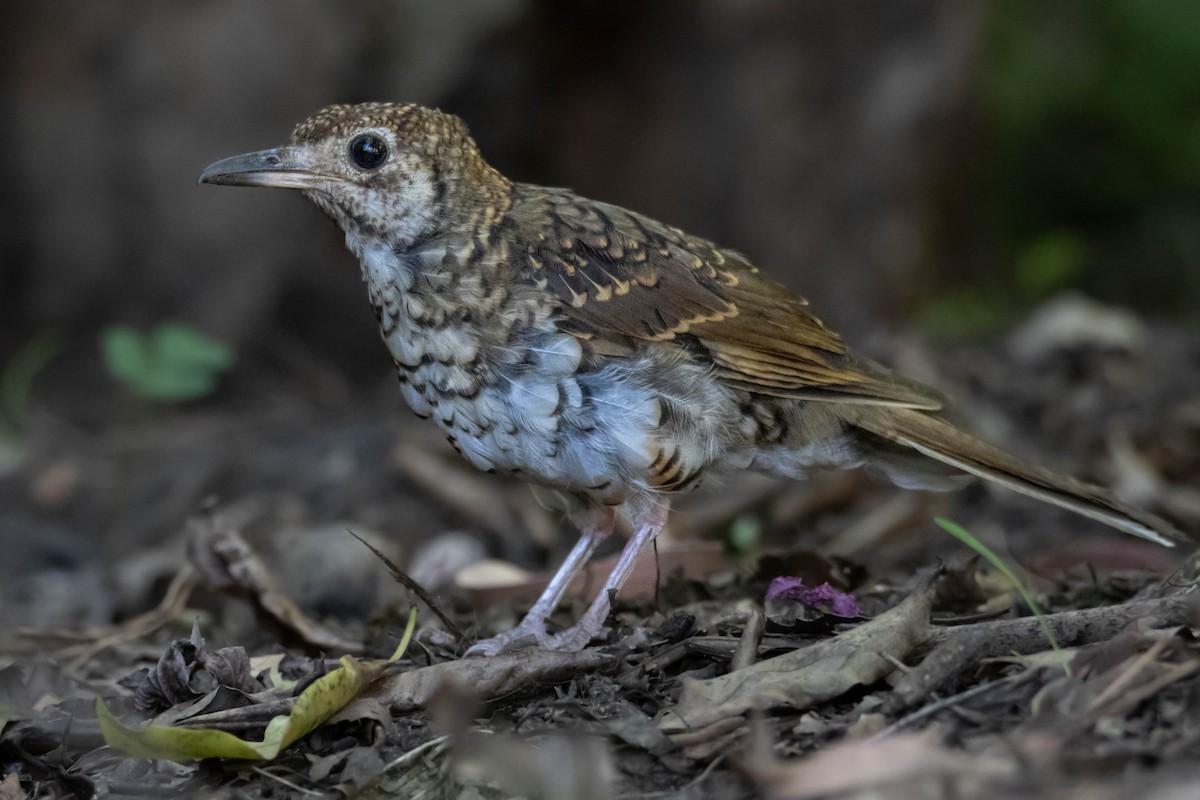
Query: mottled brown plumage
x=603, y=355
x=619, y=274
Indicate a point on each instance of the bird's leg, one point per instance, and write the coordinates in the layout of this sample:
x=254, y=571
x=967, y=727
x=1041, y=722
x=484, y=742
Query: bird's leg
x=596, y=529
x=648, y=525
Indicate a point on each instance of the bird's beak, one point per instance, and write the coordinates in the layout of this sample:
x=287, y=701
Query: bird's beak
x=282, y=167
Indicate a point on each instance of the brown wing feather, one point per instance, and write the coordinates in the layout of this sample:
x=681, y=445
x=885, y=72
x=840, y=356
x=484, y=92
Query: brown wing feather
x=618, y=273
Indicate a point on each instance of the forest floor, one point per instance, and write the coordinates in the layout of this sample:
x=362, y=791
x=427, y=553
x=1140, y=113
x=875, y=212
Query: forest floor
x=194, y=566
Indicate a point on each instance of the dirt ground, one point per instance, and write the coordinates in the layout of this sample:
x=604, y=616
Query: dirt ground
x=194, y=565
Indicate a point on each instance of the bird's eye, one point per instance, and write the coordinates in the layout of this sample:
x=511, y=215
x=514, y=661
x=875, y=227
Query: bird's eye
x=368, y=151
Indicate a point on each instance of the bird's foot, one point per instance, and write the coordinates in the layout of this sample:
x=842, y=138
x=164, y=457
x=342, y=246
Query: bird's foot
x=527, y=634
x=576, y=637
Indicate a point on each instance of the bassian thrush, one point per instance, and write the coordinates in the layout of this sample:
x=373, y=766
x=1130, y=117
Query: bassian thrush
x=601, y=354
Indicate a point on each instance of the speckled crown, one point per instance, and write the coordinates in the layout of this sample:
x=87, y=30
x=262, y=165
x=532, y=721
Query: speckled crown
x=410, y=122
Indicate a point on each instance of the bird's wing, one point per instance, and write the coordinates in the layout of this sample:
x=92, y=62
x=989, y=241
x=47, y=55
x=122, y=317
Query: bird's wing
x=617, y=273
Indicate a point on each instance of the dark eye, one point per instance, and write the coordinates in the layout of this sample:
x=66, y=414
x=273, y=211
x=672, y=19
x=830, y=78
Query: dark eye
x=368, y=151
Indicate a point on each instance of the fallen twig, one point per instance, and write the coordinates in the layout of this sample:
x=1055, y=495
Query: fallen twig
x=959, y=648
x=408, y=583
x=1071, y=628
x=950, y=657
x=747, y=647
x=933, y=708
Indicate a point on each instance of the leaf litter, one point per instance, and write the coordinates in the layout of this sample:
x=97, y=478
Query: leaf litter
x=939, y=687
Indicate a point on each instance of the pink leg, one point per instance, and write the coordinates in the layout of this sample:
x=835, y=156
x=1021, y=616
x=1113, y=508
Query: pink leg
x=597, y=529
x=647, y=526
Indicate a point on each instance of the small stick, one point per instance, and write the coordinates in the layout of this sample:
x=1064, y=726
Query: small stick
x=403, y=579
x=747, y=646
x=956, y=649
x=950, y=657
x=933, y=708
x=1071, y=628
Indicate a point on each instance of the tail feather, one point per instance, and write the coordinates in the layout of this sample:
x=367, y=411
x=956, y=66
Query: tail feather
x=939, y=440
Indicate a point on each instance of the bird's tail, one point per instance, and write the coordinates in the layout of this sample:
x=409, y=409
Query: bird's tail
x=939, y=440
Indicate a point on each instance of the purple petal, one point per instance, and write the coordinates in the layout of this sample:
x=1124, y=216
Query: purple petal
x=785, y=586
x=819, y=598
x=844, y=605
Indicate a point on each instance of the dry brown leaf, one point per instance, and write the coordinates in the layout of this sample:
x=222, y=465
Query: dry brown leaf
x=813, y=674
x=228, y=563
x=487, y=677
x=189, y=669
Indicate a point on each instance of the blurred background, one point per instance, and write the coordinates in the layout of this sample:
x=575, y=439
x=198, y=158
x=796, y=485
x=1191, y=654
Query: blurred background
x=933, y=168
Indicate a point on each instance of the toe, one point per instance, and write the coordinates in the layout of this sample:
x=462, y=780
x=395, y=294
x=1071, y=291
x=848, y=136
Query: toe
x=572, y=640
x=518, y=638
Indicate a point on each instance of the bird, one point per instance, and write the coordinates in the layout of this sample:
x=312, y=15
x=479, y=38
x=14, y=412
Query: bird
x=607, y=358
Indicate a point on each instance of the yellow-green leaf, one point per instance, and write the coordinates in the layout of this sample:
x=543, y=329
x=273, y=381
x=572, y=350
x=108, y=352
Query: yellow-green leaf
x=326, y=696
x=315, y=704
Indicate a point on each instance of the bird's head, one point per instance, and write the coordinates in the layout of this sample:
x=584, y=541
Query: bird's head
x=397, y=172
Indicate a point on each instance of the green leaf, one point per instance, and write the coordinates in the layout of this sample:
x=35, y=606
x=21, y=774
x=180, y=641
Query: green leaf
x=126, y=353
x=182, y=346
x=173, y=364
x=1051, y=262
x=960, y=313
